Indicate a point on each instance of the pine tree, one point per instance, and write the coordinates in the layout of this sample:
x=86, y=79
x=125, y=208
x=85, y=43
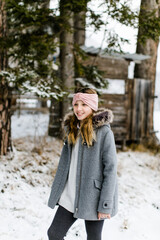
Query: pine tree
x=27, y=43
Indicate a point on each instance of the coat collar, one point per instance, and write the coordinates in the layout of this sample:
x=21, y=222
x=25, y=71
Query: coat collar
x=100, y=118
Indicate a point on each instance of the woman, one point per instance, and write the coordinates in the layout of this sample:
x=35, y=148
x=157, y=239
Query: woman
x=85, y=185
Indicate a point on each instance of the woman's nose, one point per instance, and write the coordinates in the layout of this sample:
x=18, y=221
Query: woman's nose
x=79, y=107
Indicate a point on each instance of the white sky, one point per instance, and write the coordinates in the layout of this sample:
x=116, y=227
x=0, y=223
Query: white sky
x=95, y=39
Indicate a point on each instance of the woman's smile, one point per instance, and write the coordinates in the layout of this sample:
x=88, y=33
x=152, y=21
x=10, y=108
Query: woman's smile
x=80, y=114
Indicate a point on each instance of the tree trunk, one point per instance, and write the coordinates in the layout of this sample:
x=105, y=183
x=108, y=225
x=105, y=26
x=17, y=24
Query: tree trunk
x=59, y=109
x=66, y=56
x=5, y=96
x=79, y=37
x=147, y=69
x=55, y=120
x=79, y=28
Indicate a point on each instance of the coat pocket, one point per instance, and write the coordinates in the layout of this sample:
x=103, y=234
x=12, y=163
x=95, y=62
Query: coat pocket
x=98, y=184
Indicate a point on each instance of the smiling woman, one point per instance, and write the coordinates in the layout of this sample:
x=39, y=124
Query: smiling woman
x=85, y=185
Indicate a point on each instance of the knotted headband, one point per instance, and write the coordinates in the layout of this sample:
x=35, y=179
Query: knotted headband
x=90, y=99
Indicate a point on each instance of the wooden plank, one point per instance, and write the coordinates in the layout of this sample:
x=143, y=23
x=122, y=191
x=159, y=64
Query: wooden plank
x=114, y=97
x=27, y=96
x=129, y=92
x=119, y=132
x=148, y=116
x=119, y=118
x=134, y=96
x=107, y=65
x=14, y=108
x=142, y=110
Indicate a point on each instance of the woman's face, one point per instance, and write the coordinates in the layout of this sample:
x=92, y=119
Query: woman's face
x=81, y=110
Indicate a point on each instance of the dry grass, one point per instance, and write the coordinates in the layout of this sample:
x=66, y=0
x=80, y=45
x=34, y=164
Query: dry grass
x=146, y=146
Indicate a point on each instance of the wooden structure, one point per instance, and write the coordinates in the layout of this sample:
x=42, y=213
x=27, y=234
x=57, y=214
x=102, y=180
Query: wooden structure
x=131, y=111
x=112, y=67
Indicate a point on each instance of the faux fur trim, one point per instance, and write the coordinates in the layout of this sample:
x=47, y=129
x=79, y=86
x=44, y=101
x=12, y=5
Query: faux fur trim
x=100, y=118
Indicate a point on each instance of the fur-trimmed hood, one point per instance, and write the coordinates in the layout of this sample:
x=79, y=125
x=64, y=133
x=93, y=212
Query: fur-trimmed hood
x=100, y=118
x=87, y=128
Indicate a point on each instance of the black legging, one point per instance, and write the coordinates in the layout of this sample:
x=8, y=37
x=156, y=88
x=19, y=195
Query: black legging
x=64, y=219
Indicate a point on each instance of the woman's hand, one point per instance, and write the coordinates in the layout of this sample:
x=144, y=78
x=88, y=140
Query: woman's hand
x=103, y=216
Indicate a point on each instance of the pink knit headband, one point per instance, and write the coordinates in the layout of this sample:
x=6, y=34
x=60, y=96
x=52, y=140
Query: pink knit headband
x=90, y=99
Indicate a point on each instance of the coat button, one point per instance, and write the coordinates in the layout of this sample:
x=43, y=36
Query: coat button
x=105, y=204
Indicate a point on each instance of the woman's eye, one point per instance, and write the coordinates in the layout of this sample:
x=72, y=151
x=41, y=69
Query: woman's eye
x=84, y=104
x=75, y=104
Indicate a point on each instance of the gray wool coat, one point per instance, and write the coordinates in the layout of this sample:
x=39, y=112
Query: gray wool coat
x=96, y=183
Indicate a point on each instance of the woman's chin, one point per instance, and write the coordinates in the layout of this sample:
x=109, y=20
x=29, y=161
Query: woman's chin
x=80, y=118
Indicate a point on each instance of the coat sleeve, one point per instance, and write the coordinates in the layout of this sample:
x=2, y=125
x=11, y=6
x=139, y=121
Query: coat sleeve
x=109, y=158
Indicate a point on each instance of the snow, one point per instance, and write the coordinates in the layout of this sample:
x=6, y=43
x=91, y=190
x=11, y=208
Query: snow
x=26, y=178
x=38, y=124
x=116, y=86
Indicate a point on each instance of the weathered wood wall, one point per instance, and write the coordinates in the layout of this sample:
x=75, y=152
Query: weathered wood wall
x=139, y=117
x=119, y=106
x=132, y=110
x=112, y=67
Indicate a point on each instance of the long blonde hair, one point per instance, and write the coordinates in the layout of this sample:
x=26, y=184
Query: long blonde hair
x=86, y=128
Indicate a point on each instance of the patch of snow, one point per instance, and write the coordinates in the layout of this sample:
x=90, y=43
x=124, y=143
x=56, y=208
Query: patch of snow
x=131, y=70
x=115, y=86
x=25, y=182
x=29, y=124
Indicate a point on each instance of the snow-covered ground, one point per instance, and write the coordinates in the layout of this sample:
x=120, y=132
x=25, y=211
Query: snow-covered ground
x=27, y=174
